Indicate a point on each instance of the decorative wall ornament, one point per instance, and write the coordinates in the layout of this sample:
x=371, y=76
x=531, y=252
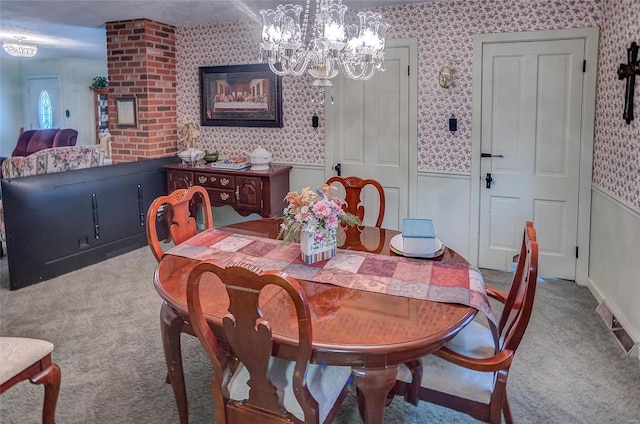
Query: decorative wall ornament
x=445, y=76
x=188, y=134
x=629, y=71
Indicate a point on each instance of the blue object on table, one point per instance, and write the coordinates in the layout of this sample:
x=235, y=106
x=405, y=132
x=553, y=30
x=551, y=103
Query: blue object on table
x=418, y=237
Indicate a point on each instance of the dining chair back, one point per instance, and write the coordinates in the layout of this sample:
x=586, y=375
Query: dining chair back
x=469, y=374
x=263, y=388
x=179, y=211
x=179, y=223
x=23, y=358
x=353, y=187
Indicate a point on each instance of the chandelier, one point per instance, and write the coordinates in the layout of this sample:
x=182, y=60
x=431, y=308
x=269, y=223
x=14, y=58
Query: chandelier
x=324, y=47
x=19, y=49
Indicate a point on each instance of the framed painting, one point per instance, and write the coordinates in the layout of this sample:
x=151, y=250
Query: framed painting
x=126, y=108
x=240, y=96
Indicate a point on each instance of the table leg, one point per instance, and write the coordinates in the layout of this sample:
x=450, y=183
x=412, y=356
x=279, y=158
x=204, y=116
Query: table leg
x=171, y=327
x=375, y=384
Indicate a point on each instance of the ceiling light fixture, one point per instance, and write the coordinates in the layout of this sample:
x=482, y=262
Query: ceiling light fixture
x=325, y=46
x=19, y=49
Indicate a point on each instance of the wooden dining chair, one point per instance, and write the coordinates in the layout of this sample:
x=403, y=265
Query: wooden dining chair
x=179, y=217
x=263, y=388
x=353, y=187
x=178, y=209
x=22, y=359
x=469, y=374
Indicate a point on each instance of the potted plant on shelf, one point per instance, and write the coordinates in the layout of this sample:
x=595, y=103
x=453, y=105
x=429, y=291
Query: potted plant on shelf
x=99, y=83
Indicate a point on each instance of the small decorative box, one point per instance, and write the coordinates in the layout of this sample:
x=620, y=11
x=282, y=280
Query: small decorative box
x=418, y=237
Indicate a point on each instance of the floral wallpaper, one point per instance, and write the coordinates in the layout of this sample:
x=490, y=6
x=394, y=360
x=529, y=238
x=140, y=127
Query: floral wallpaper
x=445, y=34
x=616, y=162
x=236, y=43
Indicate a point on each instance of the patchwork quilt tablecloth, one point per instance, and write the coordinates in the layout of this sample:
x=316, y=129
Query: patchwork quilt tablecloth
x=395, y=275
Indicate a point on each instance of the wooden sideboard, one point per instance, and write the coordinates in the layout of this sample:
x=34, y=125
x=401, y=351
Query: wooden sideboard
x=246, y=191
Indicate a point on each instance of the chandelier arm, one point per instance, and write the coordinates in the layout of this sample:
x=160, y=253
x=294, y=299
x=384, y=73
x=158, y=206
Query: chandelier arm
x=326, y=46
x=349, y=70
x=272, y=66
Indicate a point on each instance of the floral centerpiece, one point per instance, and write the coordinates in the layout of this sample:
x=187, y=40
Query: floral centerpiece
x=313, y=217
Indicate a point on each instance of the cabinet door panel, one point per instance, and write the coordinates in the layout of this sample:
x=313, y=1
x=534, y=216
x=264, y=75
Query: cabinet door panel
x=249, y=194
x=179, y=179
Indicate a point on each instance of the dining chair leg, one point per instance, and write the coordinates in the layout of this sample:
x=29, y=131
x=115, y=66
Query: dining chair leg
x=374, y=384
x=508, y=418
x=171, y=327
x=50, y=378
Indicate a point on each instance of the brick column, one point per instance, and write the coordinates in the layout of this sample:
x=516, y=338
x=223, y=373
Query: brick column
x=141, y=63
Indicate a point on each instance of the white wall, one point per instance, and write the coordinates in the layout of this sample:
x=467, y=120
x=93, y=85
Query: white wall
x=75, y=75
x=614, y=270
x=10, y=105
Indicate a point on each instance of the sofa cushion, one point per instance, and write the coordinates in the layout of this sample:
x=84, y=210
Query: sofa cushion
x=41, y=139
x=23, y=142
x=66, y=158
x=55, y=159
x=66, y=137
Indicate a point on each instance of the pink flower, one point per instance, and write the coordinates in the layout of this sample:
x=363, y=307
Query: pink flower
x=321, y=209
x=332, y=221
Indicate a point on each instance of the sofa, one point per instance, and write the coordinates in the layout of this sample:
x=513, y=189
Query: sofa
x=32, y=141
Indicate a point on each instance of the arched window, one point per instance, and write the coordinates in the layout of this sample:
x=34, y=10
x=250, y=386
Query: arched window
x=45, y=110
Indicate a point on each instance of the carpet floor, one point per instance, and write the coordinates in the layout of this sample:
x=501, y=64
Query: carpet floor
x=104, y=322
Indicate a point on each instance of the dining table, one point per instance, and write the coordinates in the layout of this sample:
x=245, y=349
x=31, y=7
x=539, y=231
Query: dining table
x=372, y=332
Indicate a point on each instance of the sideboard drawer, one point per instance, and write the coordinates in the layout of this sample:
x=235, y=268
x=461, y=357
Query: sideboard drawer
x=227, y=182
x=221, y=197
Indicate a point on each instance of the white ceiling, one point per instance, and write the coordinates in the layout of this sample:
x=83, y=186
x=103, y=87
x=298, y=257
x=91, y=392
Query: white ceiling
x=75, y=28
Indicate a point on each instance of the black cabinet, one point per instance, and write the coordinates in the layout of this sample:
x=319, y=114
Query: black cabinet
x=56, y=223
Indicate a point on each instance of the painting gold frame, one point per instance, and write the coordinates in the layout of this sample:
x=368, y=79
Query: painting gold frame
x=127, y=110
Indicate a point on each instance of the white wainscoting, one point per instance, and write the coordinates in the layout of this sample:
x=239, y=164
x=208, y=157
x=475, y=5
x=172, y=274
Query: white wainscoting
x=614, y=261
x=444, y=198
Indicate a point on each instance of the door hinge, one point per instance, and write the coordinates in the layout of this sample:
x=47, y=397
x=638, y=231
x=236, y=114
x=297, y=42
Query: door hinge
x=584, y=66
x=576, y=252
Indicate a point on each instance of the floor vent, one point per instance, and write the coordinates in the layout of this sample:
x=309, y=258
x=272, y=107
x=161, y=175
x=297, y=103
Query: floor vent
x=619, y=333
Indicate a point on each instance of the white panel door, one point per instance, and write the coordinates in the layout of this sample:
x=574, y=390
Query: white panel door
x=371, y=134
x=35, y=87
x=531, y=120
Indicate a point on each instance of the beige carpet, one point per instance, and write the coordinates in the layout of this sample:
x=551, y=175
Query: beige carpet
x=104, y=322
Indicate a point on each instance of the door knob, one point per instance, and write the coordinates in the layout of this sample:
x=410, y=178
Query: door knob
x=488, y=179
x=338, y=169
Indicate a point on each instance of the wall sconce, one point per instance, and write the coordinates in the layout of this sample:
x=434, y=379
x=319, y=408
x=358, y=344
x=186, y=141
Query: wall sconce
x=445, y=77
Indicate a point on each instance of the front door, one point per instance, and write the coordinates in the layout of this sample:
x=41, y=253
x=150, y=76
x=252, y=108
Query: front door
x=44, y=104
x=370, y=134
x=531, y=126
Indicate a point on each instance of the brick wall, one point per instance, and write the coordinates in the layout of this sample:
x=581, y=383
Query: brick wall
x=141, y=63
